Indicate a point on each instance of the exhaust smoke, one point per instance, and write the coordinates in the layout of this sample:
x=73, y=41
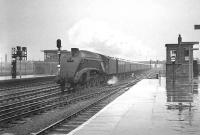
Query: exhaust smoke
x=112, y=81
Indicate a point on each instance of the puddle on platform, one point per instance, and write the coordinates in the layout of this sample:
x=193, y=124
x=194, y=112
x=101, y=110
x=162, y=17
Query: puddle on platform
x=182, y=106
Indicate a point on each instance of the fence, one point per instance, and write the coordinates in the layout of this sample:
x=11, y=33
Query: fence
x=30, y=68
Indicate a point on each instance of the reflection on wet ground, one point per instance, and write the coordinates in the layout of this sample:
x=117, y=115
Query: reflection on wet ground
x=182, y=101
x=179, y=92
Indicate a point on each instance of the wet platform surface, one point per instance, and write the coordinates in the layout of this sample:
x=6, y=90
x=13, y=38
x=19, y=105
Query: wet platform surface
x=147, y=109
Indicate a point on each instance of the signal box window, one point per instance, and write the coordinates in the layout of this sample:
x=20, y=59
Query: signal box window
x=173, y=55
x=186, y=55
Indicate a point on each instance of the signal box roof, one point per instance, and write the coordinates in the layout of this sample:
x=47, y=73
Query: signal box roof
x=182, y=43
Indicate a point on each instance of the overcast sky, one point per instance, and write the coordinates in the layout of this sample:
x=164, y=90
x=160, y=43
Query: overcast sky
x=131, y=29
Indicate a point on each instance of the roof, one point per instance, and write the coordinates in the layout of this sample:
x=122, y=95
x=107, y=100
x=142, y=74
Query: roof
x=54, y=51
x=171, y=45
x=189, y=43
x=182, y=43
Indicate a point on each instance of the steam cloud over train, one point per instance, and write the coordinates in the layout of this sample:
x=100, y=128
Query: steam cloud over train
x=81, y=67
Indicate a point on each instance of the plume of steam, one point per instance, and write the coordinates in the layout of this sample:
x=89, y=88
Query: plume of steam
x=100, y=37
x=113, y=80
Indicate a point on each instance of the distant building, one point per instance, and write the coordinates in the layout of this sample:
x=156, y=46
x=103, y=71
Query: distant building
x=179, y=61
x=52, y=55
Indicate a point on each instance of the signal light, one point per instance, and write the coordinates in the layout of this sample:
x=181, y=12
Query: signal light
x=18, y=48
x=58, y=43
x=24, y=49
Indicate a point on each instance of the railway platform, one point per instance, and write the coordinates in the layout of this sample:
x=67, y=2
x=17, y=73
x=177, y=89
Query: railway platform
x=145, y=110
x=5, y=78
x=9, y=79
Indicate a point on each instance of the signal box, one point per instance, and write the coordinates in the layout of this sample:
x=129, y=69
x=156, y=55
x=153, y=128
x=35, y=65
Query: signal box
x=179, y=61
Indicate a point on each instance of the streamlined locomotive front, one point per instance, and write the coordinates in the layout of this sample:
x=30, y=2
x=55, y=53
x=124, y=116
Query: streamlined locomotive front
x=79, y=66
x=69, y=65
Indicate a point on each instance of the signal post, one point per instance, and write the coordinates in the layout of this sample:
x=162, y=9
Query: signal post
x=19, y=53
x=62, y=81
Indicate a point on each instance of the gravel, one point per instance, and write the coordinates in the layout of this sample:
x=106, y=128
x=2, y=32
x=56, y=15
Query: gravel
x=36, y=122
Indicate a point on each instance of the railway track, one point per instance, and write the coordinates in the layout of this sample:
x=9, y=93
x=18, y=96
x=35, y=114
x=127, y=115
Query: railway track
x=74, y=119
x=18, y=109
x=14, y=111
x=23, y=86
x=12, y=85
x=36, y=98
x=29, y=92
x=40, y=104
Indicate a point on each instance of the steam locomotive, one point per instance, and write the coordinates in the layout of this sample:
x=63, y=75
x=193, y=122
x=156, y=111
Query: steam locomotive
x=81, y=67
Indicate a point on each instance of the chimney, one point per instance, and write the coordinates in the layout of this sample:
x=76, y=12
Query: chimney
x=179, y=39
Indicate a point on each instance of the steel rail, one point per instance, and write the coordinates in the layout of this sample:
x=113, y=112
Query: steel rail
x=28, y=93
x=42, y=131
x=13, y=116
